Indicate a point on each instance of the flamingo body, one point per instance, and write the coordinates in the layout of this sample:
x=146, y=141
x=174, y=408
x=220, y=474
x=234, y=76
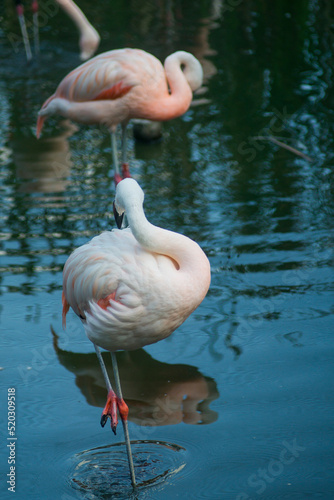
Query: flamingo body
x=118, y=85
x=135, y=286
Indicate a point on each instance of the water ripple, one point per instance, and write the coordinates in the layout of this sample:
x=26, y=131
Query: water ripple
x=103, y=472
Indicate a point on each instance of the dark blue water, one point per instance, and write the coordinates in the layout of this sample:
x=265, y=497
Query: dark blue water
x=238, y=403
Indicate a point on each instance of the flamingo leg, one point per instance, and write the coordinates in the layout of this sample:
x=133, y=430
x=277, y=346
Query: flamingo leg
x=20, y=15
x=34, y=7
x=123, y=411
x=125, y=164
x=115, y=401
x=124, y=140
x=117, y=176
x=110, y=409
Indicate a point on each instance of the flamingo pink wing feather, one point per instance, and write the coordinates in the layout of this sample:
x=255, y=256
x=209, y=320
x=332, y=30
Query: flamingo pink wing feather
x=107, y=78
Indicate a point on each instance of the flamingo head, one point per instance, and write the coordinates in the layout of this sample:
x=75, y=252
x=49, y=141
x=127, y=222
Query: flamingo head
x=128, y=195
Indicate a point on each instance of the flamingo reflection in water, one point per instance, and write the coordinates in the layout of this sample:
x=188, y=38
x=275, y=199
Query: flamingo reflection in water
x=43, y=166
x=133, y=287
x=177, y=392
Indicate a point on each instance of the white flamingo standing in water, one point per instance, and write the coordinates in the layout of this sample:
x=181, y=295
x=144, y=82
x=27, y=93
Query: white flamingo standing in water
x=133, y=287
x=116, y=86
x=89, y=39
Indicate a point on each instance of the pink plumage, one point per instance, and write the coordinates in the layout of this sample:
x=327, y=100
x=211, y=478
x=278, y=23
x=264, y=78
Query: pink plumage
x=137, y=83
x=116, y=86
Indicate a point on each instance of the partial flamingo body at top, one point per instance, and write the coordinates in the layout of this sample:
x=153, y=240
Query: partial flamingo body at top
x=89, y=38
x=116, y=86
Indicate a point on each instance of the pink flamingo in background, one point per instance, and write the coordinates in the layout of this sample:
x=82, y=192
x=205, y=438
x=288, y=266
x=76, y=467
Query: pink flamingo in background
x=133, y=287
x=89, y=38
x=118, y=85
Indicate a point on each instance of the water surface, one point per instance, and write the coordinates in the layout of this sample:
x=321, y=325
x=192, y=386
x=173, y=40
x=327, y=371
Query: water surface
x=238, y=402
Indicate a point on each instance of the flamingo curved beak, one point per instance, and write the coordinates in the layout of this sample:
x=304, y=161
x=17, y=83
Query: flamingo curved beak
x=118, y=217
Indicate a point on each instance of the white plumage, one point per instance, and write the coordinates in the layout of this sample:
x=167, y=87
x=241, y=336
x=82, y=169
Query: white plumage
x=135, y=286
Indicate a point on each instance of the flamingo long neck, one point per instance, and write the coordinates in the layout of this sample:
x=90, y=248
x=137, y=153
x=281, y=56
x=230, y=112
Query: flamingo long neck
x=184, y=251
x=178, y=96
x=76, y=14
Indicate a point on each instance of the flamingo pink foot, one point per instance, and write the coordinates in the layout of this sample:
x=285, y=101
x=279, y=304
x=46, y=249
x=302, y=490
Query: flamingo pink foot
x=110, y=411
x=123, y=409
x=117, y=178
x=125, y=170
x=125, y=173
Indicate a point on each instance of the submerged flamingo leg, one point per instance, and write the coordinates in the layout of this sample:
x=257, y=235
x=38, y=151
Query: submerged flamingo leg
x=123, y=411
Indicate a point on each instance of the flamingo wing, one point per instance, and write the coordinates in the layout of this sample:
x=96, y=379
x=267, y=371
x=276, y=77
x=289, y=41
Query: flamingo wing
x=98, y=272
x=105, y=80
x=112, y=74
x=109, y=75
